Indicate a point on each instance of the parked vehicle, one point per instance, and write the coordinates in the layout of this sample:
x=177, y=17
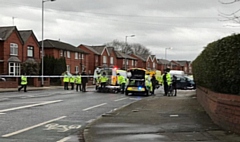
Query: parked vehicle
x=176, y=72
x=184, y=82
x=137, y=82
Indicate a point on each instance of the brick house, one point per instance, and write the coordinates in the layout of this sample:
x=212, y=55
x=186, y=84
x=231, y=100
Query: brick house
x=162, y=64
x=182, y=65
x=123, y=59
x=146, y=61
x=76, y=60
x=98, y=56
x=16, y=47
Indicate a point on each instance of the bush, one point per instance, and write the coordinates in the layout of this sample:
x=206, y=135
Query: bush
x=218, y=66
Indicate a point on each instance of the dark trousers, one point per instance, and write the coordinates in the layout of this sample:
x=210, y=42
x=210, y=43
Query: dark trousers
x=65, y=85
x=84, y=87
x=72, y=86
x=24, y=87
x=123, y=87
x=166, y=87
x=153, y=89
x=80, y=87
x=103, y=86
x=175, y=88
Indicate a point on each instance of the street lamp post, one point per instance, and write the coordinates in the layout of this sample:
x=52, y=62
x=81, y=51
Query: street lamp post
x=166, y=53
x=42, y=82
x=125, y=59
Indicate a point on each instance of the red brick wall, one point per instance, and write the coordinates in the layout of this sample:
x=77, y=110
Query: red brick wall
x=224, y=109
x=12, y=83
x=90, y=58
x=31, y=42
x=13, y=38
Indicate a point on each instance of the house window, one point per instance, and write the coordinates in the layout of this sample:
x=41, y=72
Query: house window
x=13, y=49
x=76, y=55
x=154, y=65
x=30, y=51
x=68, y=54
x=111, y=60
x=76, y=69
x=79, y=56
x=148, y=64
x=61, y=53
x=82, y=56
x=104, y=59
x=124, y=61
x=68, y=68
x=135, y=63
x=14, y=68
x=132, y=62
x=127, y=61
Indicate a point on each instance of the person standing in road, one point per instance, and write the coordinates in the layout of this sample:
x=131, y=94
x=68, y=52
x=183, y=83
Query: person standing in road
x=78, y=82
x=121, y=82
x=66, y=80
x=154, y=83
x=166, y=81
x=23, y=83
x=72, y=81
x=103, y=81
x=174, y=84
x=84, y=81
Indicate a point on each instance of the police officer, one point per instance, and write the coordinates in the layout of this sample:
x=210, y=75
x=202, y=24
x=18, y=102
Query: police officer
x=166, y=79
x=72, y=81
x=103, y=80
x=84, y=81
x=23, y=83
x=154, y=83
x=121, y=82
x=66, y=80
x=78, y=82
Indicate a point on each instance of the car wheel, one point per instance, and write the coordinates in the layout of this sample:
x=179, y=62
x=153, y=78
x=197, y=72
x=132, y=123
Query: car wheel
x=126, y=93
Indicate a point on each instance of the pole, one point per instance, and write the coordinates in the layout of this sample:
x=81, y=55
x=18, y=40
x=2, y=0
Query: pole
x=125, y=59
x=42, y=40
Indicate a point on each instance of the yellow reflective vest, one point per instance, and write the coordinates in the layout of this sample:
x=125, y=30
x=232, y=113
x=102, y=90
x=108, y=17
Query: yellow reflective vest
x=78, y=79
x=23, y=80
x=66, y=78
x=103, y=79
x=121, y=79
x=72, y=79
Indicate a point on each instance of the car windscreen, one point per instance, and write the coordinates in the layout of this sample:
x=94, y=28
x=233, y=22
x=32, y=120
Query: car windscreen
x=137, y=74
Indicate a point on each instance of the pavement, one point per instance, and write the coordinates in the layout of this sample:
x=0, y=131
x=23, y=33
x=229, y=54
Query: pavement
x=158, y=119
x=155, y=118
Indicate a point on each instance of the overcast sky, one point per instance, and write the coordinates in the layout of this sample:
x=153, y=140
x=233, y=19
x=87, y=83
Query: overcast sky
x=184, y=25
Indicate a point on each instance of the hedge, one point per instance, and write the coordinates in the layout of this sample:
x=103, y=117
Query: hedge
x=218, y=66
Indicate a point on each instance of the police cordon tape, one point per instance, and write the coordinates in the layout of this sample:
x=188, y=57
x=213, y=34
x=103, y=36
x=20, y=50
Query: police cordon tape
x=44, y=76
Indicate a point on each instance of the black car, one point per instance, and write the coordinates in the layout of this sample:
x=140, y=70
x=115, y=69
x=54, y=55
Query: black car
x=184, y=82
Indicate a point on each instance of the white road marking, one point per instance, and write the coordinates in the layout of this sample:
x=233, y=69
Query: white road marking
x=33, y=105
x=94, y=107
x=64, y=139
x=2, y=113
x=120, y=99
x=32, y=127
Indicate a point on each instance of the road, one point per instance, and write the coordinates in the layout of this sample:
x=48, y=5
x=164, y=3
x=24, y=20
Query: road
x=53, y=115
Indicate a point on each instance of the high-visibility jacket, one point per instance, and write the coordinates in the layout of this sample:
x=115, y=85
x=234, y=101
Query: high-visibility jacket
x=66, y=78
x=168, y=79
x=98, y=78
x=72, y=79
x=103, y=79
x=23, y=80
x=78, y=79
x=121, y=79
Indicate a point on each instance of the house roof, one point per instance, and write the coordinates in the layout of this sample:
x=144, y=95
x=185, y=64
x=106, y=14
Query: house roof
x=163, y=61
x=183, y=63
x=61, y=45
x=152, y=57
x=5, y=32
x=26, y=34
x=140, y=57
x=122, y=55
x=97, y=49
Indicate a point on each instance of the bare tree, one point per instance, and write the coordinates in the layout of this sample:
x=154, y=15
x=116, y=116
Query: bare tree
x=135, y=48
x=233, y=16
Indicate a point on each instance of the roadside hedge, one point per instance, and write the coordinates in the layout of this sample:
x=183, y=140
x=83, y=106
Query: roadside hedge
x=218, y=66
